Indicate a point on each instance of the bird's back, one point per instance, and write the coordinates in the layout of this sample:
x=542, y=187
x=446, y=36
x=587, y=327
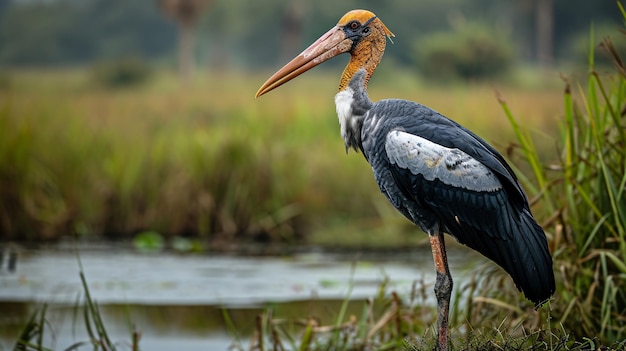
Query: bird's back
x=439, y=174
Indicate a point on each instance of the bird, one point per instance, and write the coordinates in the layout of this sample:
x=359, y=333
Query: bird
x=438, y=174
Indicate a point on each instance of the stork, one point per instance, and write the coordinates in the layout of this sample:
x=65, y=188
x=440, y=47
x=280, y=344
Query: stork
x=438, y=174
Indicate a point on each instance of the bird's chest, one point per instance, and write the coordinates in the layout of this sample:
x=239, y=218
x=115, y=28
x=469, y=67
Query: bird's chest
x=373, y=133
x=349, y=123
x=373, y=136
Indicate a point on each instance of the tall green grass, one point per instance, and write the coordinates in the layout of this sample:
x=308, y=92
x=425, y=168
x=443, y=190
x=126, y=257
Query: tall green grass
x=208, y=162
x=580, y=200
x=32, y=336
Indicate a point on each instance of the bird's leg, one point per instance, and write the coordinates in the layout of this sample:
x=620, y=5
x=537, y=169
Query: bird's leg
x=443, y=286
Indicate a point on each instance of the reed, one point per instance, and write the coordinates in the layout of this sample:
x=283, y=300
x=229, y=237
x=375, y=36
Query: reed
x=580, y=201
x=32, y=336
x=392, y=322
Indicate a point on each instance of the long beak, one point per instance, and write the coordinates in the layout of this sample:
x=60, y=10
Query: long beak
x=329, y=45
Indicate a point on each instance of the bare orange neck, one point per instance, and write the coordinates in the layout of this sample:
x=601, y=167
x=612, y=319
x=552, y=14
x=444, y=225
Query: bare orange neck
x=356, y=63
x=367, y=54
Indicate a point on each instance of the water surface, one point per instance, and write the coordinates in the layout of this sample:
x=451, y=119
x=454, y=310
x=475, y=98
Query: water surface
x=178, y=301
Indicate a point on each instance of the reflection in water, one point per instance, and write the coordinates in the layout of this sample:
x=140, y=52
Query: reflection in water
x=180, y=324
x=12, y=319
x=180, y=302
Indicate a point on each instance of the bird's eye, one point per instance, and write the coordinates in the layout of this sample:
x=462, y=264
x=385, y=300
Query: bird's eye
x=354, y=25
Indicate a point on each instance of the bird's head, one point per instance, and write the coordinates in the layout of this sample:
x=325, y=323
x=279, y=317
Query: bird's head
x=358, y=32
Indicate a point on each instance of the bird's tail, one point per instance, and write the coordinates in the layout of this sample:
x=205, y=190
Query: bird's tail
x=527, y=259
x=524, y=255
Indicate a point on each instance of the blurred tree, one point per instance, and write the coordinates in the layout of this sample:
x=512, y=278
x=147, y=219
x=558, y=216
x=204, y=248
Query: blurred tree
x=4, y=4
x=470, y=51
x=63, y=32
x=544, y=32
x=293, y=19
x=186, y=14
x=122, y=72
x=254, y=34
x=577, y=47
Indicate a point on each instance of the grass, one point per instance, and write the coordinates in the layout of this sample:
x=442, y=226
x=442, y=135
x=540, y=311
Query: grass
x=210, y=162
x=32, y=336
x=583, y=207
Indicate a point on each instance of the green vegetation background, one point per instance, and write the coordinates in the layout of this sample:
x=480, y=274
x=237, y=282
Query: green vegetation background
x=261, y=34
x=210, y=161
x=98, y=138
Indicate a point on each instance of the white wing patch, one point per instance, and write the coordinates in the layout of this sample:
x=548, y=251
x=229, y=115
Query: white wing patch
x=433, y=161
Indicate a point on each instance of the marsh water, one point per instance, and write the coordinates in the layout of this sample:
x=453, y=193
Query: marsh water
x=178, y=301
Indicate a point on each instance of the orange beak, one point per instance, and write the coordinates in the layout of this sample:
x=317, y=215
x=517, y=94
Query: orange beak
x=329, y=45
